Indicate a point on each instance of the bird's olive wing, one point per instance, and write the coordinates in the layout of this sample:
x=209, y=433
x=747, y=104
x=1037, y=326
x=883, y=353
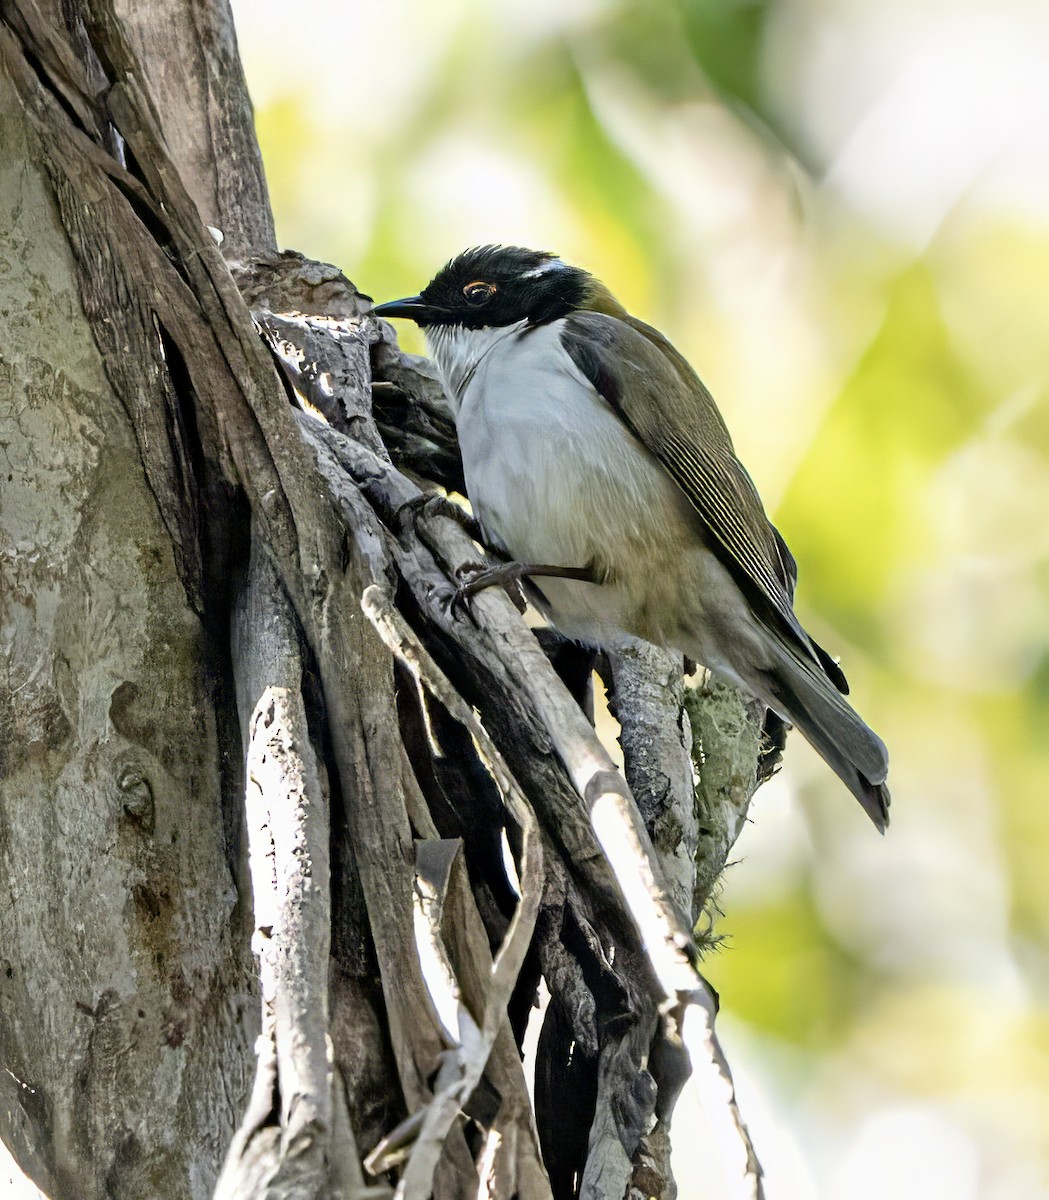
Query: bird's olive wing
x=665, y=405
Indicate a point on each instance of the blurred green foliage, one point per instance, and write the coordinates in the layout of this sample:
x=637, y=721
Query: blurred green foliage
x=726, y=38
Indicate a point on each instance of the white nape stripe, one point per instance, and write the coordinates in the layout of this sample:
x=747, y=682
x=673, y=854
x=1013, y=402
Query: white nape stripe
x=552, y=264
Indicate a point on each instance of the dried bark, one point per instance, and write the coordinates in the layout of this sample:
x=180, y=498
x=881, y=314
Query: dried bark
x=228, y=637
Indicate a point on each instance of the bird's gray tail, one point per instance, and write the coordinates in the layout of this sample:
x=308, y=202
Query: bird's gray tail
x=803, y=694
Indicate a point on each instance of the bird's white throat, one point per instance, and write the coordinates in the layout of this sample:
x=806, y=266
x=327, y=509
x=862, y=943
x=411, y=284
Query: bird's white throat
x=458, y=352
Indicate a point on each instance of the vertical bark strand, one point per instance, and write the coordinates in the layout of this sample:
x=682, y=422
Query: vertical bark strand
x=657, y=751
x=289, y=1143
x=205, y=112
x=125, y=970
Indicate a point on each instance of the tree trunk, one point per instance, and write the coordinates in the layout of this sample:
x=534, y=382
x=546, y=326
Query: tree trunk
x=260, y=937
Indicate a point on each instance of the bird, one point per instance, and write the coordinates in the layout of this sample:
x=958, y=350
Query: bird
x=596, y=458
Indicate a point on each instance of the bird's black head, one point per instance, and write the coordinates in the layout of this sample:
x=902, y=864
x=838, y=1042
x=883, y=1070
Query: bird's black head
x=496, y=285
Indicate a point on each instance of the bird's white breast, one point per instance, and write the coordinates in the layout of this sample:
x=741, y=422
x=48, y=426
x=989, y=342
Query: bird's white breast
x=556, y=478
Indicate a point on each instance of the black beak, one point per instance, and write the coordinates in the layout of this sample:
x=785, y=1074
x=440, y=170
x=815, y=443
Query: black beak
x=412, y=307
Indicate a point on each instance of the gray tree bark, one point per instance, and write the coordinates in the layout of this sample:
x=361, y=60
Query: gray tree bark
x=259, y=938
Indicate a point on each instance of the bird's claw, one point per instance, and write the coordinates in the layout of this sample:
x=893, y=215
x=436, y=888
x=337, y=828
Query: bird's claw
x=453, y=599
x=436, y=504
x=448, y=600
x=474, y=578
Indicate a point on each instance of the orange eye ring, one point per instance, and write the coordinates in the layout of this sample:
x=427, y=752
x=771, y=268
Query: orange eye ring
x=479, y=291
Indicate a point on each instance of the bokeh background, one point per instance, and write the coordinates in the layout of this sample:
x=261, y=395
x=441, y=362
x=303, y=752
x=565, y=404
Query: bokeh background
x=839, y=210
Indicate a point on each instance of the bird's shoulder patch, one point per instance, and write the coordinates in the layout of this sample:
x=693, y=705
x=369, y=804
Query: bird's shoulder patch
x=591, y=346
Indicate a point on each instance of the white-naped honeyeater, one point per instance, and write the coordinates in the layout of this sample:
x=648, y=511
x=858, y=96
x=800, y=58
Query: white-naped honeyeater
x=591, y=448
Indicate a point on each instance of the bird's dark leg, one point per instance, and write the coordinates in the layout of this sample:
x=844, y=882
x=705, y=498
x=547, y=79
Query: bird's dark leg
x=510, y=574
x=514, y=572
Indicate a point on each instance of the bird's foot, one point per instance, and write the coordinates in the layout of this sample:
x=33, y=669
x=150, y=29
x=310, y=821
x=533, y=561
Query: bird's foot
x=474, y=578
x=436, y=504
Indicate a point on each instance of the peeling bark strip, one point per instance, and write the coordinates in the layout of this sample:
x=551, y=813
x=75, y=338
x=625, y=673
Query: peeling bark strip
x=289, y=1142
x=460, y=1073
x=243, y=716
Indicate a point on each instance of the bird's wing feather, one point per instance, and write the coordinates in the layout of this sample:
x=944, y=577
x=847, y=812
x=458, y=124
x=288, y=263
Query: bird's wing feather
x=663, y=402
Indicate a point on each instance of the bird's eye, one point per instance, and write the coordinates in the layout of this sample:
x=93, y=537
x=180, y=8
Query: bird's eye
x=478, y=291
